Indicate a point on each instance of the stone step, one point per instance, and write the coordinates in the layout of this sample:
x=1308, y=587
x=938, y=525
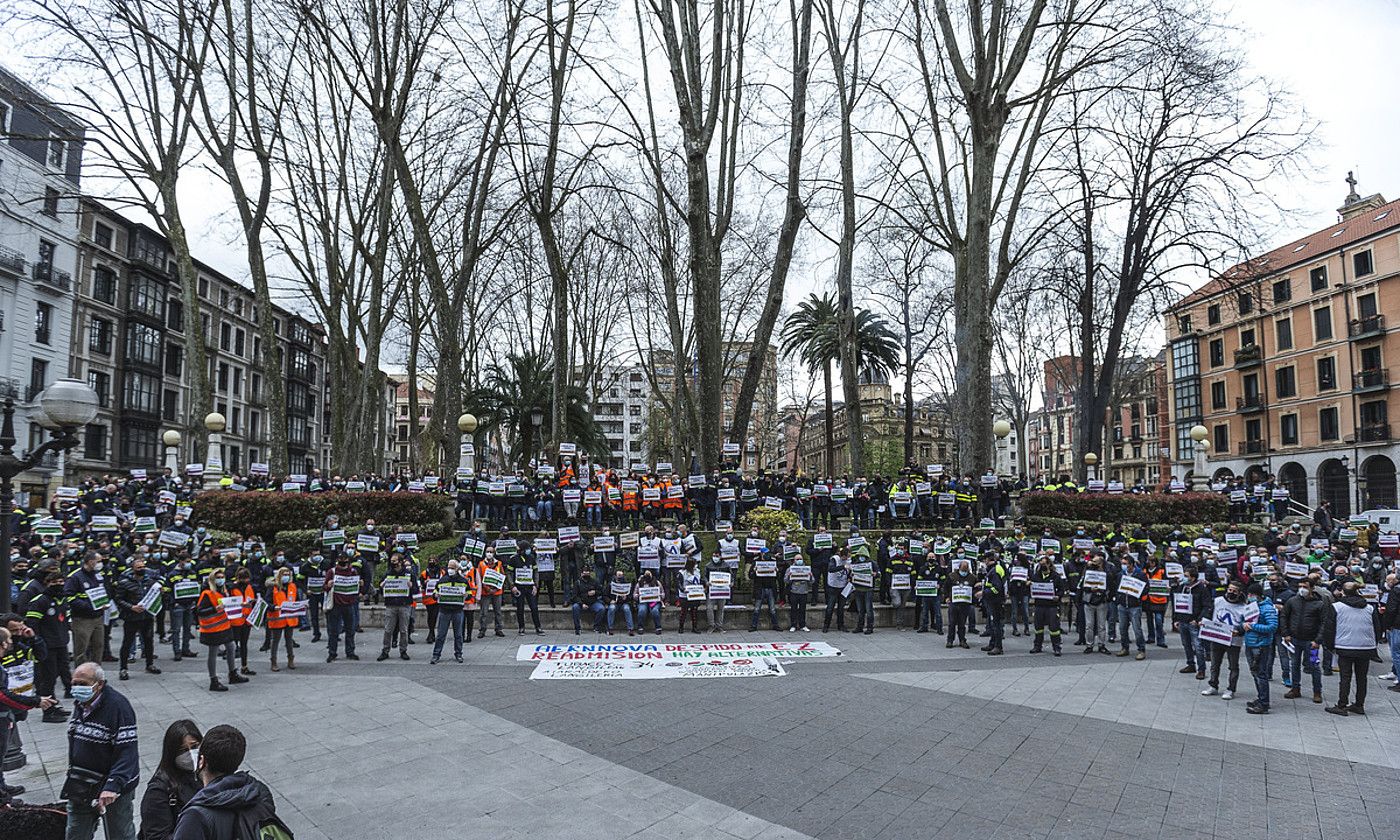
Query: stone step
x=561, y=618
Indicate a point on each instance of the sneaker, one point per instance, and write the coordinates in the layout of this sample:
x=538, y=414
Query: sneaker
x=1337, y=710
x=1208, y=692
x=352, y=657
x=1123, y=652
x=808, y=630
x=1386, y=678
x=123, y=675
x=1141, y=655
x=792, y=629
x=433, y=661
x=1356, y=709
x=458, y=657
x=1227, y=694
x=1256, y=709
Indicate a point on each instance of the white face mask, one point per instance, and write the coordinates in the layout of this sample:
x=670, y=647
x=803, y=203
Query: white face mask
x=97, y=568
x=188, y=760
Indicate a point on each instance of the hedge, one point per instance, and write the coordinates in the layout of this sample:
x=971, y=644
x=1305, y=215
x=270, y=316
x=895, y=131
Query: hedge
x=1128, y=508
x=268, y=513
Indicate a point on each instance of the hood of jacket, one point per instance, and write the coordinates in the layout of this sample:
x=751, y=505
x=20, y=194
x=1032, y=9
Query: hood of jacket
x=236, y=791
x=1353, y=601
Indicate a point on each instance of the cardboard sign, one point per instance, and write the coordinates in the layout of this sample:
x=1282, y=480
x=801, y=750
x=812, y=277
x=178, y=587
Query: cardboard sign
x=608, y=543
x=1020, y=573
x=1181, y=603
x=493, y=578
x=962, y=594
x=568, y=533
x=173, y=539
x=925, y=588
x=719, y=584
x=525, y=576
x=1216, y=631
x=800, y=571
x=1132, y=587
x=765, y=568
x=621, y=588
x=1043, y=590
x=368, y=543
x=900, y=582
x=1095, y=580
x=103, y=523
x=821, y=541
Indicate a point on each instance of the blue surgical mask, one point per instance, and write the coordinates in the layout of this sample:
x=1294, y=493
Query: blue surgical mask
x=84, y=693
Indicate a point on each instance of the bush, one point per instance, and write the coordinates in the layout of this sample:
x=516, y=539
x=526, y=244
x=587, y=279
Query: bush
x=1127, y=508
x=269, y=513
x=770, y=522
x=1158, y=533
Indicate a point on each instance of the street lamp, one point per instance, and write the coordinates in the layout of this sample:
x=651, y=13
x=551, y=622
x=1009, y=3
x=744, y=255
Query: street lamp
x=466, y=424
x=536, y=420
x=1090, y=459
x=171, y=439
x=214, y=458
x=1199, y=446
x=66, y=404
x=1001, y=429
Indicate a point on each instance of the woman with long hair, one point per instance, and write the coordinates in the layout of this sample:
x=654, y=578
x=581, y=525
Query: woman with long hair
x=216, y=628
x=282, y=627
x=174, y=783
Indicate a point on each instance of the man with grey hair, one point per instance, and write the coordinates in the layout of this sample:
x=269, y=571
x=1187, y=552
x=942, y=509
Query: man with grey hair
x=103, y=762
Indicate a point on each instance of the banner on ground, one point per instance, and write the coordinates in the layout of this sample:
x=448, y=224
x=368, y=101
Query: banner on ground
x=652, y=670
x=674, y=652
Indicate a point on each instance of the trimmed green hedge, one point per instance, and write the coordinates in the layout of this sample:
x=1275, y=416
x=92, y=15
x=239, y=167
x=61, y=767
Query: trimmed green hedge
x=1128, y=508
x=269, y=513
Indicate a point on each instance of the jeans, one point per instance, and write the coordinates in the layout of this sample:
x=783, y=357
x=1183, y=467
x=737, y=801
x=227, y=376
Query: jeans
x=118, y=822
x=341, y=617
x=1302, y=661
x=1261, y=666
x=652, y=611
x=865, y=610
x=626, y=614
x=593, y=515
x=1131, y=616
x=1285, y=662
x=929, y=608
x=596, y=608
x=1096, y=625
x=1190, y=642
x=1393, y=637
x=492, y=604
x=763, y=596
x=1219, y=652
x=1156, y=628
x=181, y=628
x=453, y=619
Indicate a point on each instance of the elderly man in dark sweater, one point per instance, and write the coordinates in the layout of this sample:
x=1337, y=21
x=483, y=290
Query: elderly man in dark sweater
x=102, y=759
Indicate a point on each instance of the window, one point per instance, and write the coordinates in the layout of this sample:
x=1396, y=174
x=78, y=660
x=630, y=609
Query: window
x=1253, y=429
x=1288, y=429
x=1318, y=278
x=1185, y=359
x=145, y=295
x=138, y=445
x=174, y=359
x=102, y=384
x=1366, y=305
x=1327, y=428
x=1183, y=326
x=102, y=236
x=1322, y=323
x=1188, y=401
x=1246, y=303
x=58, y=153
x=51, y=202
x=204, y=287
x=141, y=392
x=43, y=323
x=1286, y=382
x=1326, y=373
x=1213, y=314
x=95, y=442
x=255, y=389
x=255, y=424
x=143, y=344
x=1222, y=437
x=47, y=250
x=238, y=382
x=104, y=284
x=175, y=314
x=100, y=336
x=1373, y=415
x=239, y=337
x=223, y=299
x=1283, y=333
x=1371, y=357
x=4, y=117
x=235, y=420
x=223, y=376
x=1247, y=338
x=170, y=404
x=1217, y=395
x=1362, y=264
x=225, y=337
x=1283, y=290
x=1217, y=352
x=634, y=410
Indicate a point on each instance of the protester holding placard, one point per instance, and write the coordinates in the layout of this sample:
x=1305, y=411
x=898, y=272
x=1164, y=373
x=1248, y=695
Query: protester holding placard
x=763, y=573
x=184, y=584
x=130, y=593
x=491, y=580
x=342, y=591
x=620, y=597
x=454, y=589
x=957, y=590
x=1191, y=600
x=1224, y=632
x=1259, y=629
x=1300, y=627
x=398, y=589
x=243, y=623
x=285, y=615
x=1349, y=628
x=41, y=605
x=719, y=578
x=588, y=595
x=524, y=588
x=928, y=582
x=216, y=628
x=799, y=585
x=691, y=582
x=1046, y=588
x=1132, y=592
x=85, y=593
x=648, y=591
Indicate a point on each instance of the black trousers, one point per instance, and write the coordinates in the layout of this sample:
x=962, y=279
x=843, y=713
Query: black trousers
x=1217, y=653
x=959, y=616
x=132, y=627
x=50, y=669
x=1351, y=663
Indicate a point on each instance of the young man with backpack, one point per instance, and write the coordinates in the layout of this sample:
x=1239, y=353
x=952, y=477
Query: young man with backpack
x=232, y=805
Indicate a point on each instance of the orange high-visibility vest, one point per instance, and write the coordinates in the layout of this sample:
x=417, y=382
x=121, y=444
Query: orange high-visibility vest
x=279, y=597
x=217, y=621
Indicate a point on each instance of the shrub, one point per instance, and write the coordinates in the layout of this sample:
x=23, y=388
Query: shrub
x=302, y=540
x=770, y=522
x=1127, y=508
x=268, y=513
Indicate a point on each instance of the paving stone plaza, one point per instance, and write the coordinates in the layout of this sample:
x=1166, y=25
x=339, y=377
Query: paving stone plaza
x=898, y=738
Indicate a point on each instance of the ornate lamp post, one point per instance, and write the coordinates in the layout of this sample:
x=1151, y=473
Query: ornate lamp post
x=67, y=404
x=1090, y=460
x=1199, y=446
x=536, y=422
x=1001, y=429
x=466, y=424
x=214, y=458
x=171, y=439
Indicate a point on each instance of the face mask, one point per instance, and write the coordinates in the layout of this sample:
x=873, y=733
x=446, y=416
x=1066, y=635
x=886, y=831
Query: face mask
x=286, y=578
x=1234, y=597
x=84, y=693
x=218, y=581
x=99, y=567
x=188, y=760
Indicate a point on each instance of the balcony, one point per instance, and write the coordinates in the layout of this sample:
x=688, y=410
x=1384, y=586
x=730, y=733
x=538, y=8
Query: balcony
x=1249, y=403
x=52, y=277
x=1251, y=447
x=1374, y=433
x=1249, y=356
x=1367, y=327
x=1373, y=379
x=11, y=262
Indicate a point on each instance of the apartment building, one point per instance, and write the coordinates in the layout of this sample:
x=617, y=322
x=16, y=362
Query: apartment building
x=130, y=346
x=620, y=400
x=1286, y=358
x=882, y=415
x=763, y=442
x=41, y=151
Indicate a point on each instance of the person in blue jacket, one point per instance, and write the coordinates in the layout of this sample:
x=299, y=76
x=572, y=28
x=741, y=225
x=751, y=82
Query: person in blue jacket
x=1259, y=646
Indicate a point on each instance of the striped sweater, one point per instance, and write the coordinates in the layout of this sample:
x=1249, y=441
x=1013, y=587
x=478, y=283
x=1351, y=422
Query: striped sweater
x=102, y=739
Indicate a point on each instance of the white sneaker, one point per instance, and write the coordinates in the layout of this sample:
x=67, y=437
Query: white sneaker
x=792, y=629
x=806, y=629
x=1227, y=695
x=1208, y=692
x=1386, y=678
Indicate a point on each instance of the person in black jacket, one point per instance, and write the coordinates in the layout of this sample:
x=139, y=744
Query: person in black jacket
x=1390, y=624
x=10, y=704
x=230, y=798
x=40, y=603
x=173, y=784
x=1300, y=626
x=128, y=592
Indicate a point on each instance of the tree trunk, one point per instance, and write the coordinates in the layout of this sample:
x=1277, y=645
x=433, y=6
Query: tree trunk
x=830, y=422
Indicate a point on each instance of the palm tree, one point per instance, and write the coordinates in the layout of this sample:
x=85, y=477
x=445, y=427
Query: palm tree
x=513, y=392
x=810, y=334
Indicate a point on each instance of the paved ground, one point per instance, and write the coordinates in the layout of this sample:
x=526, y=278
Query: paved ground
x=899, y=738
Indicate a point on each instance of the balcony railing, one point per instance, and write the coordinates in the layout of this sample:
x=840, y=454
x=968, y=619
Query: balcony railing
x=1251, y=447
x=1249, y=356
x=1250, y=403
x=1366, y=327
x=48, y=275
x=1373, y=433
x=11, y=261
x=1371, y=379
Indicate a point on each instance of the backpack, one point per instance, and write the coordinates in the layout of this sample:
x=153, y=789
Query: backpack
x=249, y=827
